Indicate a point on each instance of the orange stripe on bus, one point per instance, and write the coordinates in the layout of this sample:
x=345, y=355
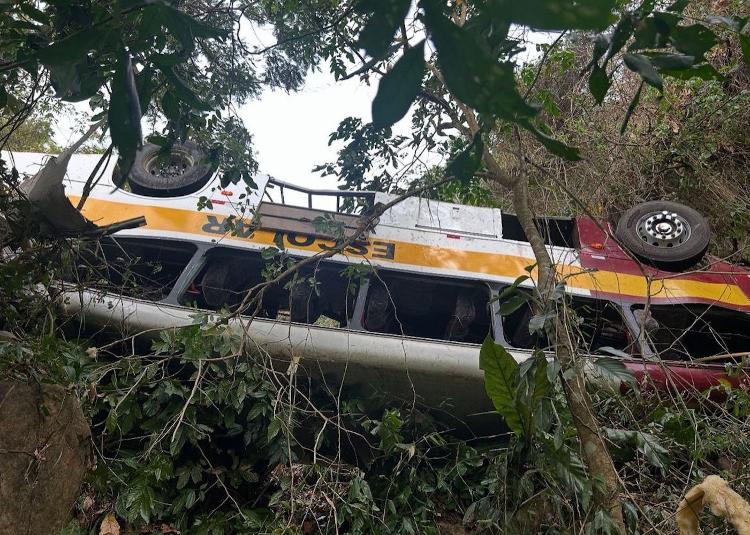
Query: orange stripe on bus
x=632, y=286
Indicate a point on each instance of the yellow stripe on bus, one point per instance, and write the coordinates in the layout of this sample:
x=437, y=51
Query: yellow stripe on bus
x=104, y=212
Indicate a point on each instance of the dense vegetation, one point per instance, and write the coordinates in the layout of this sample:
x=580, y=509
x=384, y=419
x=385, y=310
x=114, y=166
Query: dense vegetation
x=194, y=432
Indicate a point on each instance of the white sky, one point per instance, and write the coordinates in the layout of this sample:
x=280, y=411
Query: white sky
x=290, y=131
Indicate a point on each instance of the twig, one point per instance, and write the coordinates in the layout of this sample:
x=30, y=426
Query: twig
x=189, y=399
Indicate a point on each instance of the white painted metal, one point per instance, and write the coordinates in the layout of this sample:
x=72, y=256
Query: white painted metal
x=414, y=220
x=433, y=372
x=82, y=165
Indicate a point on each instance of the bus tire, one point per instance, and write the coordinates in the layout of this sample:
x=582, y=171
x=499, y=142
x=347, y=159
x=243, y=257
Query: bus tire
x=665, y=234
x=186, y=171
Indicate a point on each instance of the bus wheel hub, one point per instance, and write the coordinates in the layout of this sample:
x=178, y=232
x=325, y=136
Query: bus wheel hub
x=663, y=229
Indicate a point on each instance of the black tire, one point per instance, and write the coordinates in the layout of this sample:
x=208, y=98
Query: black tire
x=186, y=171
x=665, y=234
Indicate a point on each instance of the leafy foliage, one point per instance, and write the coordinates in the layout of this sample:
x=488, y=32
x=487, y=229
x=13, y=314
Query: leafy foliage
x=195, y=431
x=399, y=88
x=163, y=59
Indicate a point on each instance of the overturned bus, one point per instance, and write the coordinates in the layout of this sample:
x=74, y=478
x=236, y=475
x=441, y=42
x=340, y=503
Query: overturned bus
x=411, y=320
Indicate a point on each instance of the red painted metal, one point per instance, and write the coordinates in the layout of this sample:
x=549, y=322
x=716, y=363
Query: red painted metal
x=685, y=377
x=598, y=249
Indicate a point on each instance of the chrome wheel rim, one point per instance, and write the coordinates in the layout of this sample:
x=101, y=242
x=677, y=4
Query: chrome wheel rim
x=663, y=229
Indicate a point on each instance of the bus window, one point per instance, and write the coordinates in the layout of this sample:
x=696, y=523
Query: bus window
x=597, y=326
x=322, y=294
x=516, y=329
x=685, y=332
x=137, y=267
x=427, y=307
x=601, y=326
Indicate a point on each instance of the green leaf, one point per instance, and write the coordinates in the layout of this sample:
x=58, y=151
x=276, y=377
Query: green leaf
x=599, y=83
x=473, y=75
x=641, y=64
x=555, y=146
x=3, y=97
x=273, y=430
x=570, y=471
x=652, y=450
x=74, y=82
x=111, y=422
x=168, y=60
x=386, y=16
x=501, y=381
x=694, y=40
x=467, y=162
x=144, y=82
x=622, y=32
x=542, y=384
x=33, y=13
x=124, y=115
x=538, y=323
x=631, y=108
x=613, y=370
x=601, y=44
x=184, y=27
x=553, y=369
x=513, y=303
x=183, y=91
x=654, y=31
x=557, y=14
x=678, y=6
x=398, y=88
x=170, y=105
x=745, y=45
x=645, y=443
x=513, y=288
x=74, y=48
x=671, y=61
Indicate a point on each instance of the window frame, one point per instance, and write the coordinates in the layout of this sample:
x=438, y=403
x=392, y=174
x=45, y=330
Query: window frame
x=624, y=309
x=647, y=343
x=128, y=240
x=200, y=260
x=358, y=321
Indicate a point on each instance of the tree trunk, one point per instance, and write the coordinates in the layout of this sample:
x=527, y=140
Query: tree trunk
x=595, y=453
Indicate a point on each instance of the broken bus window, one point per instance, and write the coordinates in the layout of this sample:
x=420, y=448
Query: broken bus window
x=427, y=307
x=322, y=295
x=146, y=268
x=686, y=332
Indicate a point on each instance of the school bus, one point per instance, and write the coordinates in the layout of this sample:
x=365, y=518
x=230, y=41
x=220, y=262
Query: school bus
x=404, y=308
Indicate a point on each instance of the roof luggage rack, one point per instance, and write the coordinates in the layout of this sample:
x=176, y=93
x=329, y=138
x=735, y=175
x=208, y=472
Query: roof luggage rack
x=291, y=208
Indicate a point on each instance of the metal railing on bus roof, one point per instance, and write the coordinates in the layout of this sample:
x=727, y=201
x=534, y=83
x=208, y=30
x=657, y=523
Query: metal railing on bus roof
x=367, y=196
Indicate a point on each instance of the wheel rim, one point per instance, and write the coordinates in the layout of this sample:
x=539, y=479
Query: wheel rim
x=663, y=229
x=170, y=166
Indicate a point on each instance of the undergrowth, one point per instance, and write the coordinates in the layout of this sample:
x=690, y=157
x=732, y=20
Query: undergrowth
x=192, y=435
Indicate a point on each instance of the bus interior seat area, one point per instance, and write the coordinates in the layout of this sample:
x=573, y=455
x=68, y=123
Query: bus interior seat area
x=693, y=331
x=137, y=267
x=413, y=305
x=427, y=307
x=597, y=325
x=322, y=294
x=422, y=306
